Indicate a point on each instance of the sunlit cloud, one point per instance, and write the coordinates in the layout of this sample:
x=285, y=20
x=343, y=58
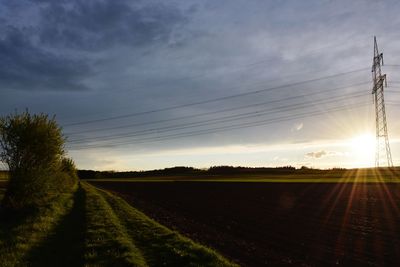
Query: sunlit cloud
x=317, y=155
x=297, y=127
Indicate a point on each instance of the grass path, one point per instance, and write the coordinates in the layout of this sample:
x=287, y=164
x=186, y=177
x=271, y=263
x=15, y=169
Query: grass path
x=19, y=238
x=66, y=236
x=92, y=227
x=167, y=248
x=107, y=242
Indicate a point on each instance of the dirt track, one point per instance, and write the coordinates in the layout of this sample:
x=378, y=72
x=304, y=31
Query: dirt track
x=297, y=224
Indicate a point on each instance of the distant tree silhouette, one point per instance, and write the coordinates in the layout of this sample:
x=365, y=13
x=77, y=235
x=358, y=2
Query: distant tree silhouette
x=187, y=172
x=33, y=148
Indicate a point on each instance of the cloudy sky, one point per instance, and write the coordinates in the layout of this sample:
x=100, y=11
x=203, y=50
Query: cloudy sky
x=151, y=84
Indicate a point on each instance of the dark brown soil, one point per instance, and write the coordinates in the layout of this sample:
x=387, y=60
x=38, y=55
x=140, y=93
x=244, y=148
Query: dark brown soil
x=298, y=224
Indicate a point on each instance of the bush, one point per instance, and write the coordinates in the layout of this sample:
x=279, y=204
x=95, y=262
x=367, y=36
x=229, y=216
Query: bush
x=68, y=168
x=33, y=148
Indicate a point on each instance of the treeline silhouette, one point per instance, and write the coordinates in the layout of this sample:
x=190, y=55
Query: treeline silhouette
x=190, y=171
x=216, y=171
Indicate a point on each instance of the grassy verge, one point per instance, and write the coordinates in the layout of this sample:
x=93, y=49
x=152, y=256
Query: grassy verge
x=161, y=246
x=64, y=244
x=19, y=237
x=91, y=227
x=107, y=241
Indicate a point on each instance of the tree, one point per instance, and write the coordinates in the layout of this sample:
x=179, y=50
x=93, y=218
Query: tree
x=33, y=148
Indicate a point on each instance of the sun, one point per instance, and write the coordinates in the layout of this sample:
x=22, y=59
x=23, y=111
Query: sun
x=362, y=150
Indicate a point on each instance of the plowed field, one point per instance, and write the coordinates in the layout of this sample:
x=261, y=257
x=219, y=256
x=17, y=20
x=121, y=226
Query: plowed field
x=299, y=224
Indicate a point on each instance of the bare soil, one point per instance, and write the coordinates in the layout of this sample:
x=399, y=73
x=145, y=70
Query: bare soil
x=279, y=224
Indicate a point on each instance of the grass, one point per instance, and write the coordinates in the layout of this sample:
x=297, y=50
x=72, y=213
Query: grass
x=92, y=227
x=166, y=247
x=107, y=242
x=362, y=175
x=298, y=178
x=23, y=235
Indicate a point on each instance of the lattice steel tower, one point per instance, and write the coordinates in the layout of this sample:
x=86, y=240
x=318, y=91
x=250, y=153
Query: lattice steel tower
x=382, y=152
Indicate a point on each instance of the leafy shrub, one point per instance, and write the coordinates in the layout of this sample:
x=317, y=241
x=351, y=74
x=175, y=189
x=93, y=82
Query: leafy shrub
x=67, y=174
x=33, y=148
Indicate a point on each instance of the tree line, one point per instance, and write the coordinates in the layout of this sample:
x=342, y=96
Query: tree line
x=190, y=171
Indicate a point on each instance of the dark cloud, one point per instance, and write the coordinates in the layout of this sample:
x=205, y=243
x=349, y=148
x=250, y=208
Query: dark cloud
x=25, y=66
x=97, y=25
x=55, y=44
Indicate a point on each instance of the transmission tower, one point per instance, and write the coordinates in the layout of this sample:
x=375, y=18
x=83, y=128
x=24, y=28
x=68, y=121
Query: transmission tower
x=382, y=151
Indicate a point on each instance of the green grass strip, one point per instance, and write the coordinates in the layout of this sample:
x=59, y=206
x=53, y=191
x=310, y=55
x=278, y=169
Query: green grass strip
x=160, y=245
x=107, y=243
x=91, y=227
x=19, y=237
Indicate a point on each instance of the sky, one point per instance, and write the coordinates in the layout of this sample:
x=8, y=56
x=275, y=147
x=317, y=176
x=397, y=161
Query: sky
x=139, y=85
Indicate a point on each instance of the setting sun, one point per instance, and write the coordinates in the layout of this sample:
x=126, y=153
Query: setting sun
x=363, y=150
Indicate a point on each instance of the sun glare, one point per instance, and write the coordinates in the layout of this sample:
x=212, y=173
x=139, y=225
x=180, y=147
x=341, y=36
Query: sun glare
x=362, y=150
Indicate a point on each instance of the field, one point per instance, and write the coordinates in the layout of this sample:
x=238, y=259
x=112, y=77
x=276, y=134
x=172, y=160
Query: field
x=271, y=175
x=297, y=224
x=91, y=227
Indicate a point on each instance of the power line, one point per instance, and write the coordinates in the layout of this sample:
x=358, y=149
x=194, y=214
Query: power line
x=225, y=128
x=223, y=119
x=215, y=99
x=288, y=116
x=215, y=112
